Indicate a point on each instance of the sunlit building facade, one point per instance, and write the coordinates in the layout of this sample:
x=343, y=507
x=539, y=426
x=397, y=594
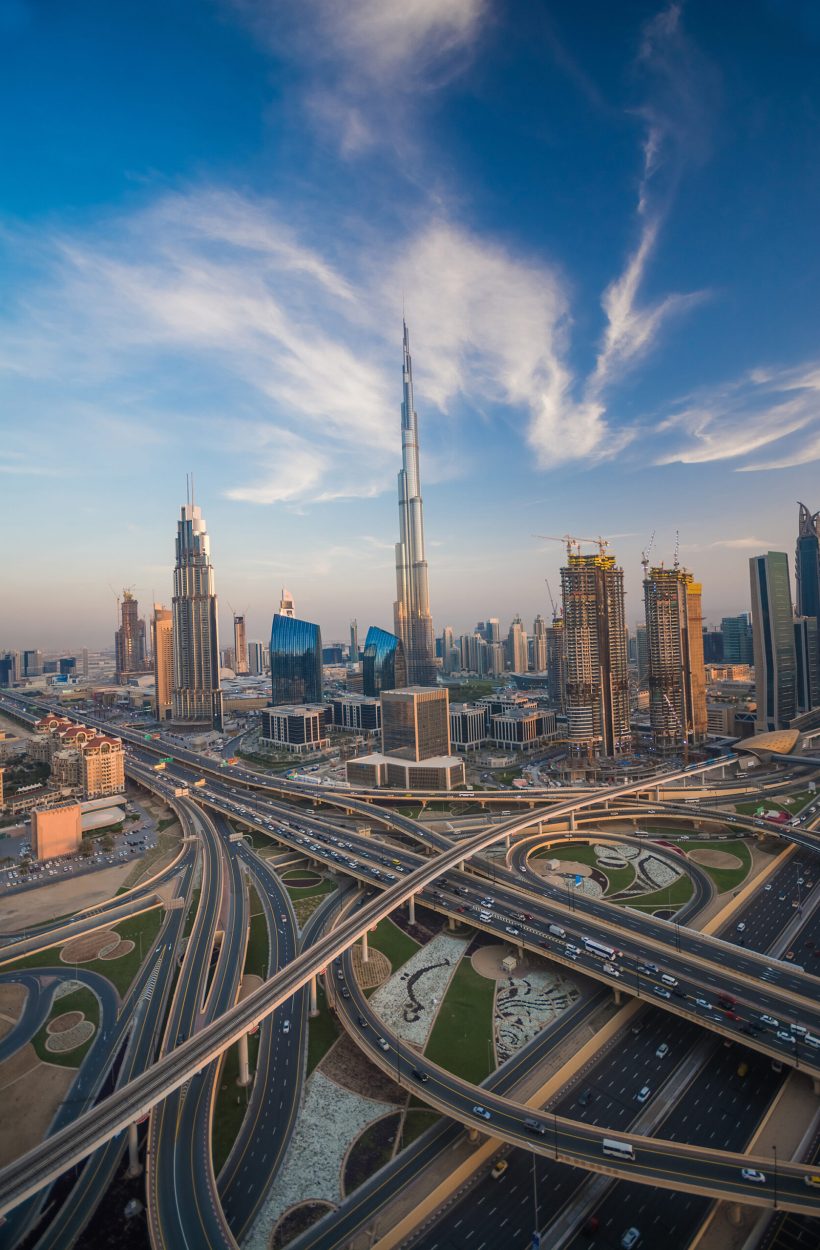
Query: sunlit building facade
x=295, y=661
x=197, y=697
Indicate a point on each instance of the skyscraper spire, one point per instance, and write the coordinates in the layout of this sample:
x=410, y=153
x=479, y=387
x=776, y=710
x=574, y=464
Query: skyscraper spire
x=411, y=611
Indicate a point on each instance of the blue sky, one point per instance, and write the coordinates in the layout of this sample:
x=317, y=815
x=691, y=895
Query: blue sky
x=600, y=219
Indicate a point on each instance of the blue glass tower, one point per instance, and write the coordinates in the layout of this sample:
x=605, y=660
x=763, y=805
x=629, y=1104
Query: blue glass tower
x=384, y=666
x=807, y=564
x=295, y=661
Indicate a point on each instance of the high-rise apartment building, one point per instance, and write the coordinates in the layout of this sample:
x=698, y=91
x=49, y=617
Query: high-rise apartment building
x=775, y=659
x=597, y=686
x=354, y=642
x=641, y=654
x=32, y=663
x=539, y=644
x=808, y=677
x=449, y=658
x=674, y=638
x=738, y=646
x=103, y=767
x=384, y=664
x=557, y=664
x=197, y=698
x=256, y=658
x=411, y=611
x=162, y=633
x=129, y=640
x=416, y=723
x=240, y=646
x=517, y=646
x=295, y=661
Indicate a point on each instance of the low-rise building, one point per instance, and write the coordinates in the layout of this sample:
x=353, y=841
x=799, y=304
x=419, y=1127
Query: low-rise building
x=435, y=773
x=103, y=766
x=298, y=728
x=523, y=729
x=357, y=713
x=56, y=830
x=468, y=726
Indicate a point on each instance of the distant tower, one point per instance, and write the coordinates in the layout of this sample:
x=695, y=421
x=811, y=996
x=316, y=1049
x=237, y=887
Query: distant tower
x=807, y=563
x=286, y=604
x=354, y=642
x=674, y=643
x=557, y=663
x=129, y=640
x=197, y=698
x=517, y=646
x=597, y=674
x=539, y=644
x=413, y=623
x=775, y=657
x=240, y=646
x=163, y=646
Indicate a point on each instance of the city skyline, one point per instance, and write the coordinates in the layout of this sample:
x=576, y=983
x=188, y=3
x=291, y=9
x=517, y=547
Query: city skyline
x=609, y=337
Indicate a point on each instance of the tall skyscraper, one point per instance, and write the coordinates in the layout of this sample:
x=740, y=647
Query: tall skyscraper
x=295, y=661
x=286, y=604
x=539, y=644
x=674, y=639
x=354, y=642
x=775, y=658
x=33, y=663
x=517, y=646
x=449, y=661
x=597, y=705
x=807, y=563
x=256, y=658
x=240, y=645
x=162, y=631
x=384, y=664
x=557, y=663
x=641, y=654
x=411, y=611
x=129, y=640
x=738, y=647
x=808, y=677
x=197, y=698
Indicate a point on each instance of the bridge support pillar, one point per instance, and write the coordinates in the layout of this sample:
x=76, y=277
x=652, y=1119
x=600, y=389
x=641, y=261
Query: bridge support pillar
x=572, y=825
x=657, y=794
x=735, y=1214
x=313, y=1009
x=451, y=922
x=472, y=1135
x=244, y=1077
x=616, y=993
x=815, y=1084
x=134, y=1166
x=365, y=949
x=411, y=909
x=507, y=841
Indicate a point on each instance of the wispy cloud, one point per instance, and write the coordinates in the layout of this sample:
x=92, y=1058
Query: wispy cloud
x=679, y=87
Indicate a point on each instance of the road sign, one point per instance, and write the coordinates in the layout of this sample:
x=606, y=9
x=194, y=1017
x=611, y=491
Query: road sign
x=578, y=879
x=536, y=1241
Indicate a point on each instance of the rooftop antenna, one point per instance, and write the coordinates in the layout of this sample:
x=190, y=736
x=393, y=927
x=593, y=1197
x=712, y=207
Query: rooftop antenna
x=192, y=490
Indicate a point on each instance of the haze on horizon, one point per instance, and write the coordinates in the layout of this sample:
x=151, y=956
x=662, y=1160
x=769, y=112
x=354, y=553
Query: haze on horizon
x=601, y=226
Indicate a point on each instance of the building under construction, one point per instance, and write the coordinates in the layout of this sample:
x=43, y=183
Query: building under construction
x=674, y=645
x=595, y=654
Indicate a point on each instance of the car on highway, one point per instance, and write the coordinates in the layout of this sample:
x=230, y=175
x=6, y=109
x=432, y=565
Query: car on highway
x=482, y=1111
x=510, y=929
x=770, y=1020
x=643, y=1094
x=660, y=991
x=418, y=1075
x=662, y=1051
x=704, y=1003
x=752, y=1174
x=534, y=1126
x=499, y=1169
x=630, y=1238
x=383, y=1043
x=584, y=1098
x=362, y=1022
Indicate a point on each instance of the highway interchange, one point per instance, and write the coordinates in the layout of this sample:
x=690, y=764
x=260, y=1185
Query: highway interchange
x=188, y=1207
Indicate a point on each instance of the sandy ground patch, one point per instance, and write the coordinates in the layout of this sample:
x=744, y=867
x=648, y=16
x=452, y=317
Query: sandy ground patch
x=350, y=1067
x=61, y=1024
x=250, y=982
x=117, y=949
x=81, y=950
x=374, y=972
x=31, y=1092
x=62, y=1043
x=12, y=1001
x=61, y=898
x=714, y=859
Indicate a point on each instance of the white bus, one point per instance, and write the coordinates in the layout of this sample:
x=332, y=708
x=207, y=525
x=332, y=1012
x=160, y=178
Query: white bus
x=618, y=1149
x=598, y=948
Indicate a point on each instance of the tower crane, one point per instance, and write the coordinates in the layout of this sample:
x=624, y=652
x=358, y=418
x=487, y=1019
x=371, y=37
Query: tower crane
x=573, y=544
x=555, y=613
x=646, y=554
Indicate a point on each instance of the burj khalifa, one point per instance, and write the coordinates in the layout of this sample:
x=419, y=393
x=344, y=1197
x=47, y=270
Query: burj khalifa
x=413, y=623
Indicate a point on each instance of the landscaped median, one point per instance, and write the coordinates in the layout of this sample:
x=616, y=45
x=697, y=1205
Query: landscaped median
x=715, y=858
x=461, y=1038
x=70, y=1029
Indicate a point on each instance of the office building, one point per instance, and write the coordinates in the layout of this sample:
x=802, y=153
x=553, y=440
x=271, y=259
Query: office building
x=495, y=659
x=415, y=723
x=286, y=604
x=807, y=564
x=295, y=661
x=256, y=658
x=738, y=645
x=712, y=646
x=197, y=698
x=468, y=726
x=775, y=659
x=353, y=657
x=32, y=663
x=412, y=621
x=539, y=644
x=641, y=655
x=162, y=640
x=557, y=664
x=68, y=666
x=674, y=644
x=522, y=728
x=56, y=831
x=356, y=713
x=103, y=767
x=129, y=640
x=808, y=678
x=384, y=662
x=7, y=670
x=517, y=646
x=450, y=657
x=240, y=646
x=297, y=729
x=597, y=678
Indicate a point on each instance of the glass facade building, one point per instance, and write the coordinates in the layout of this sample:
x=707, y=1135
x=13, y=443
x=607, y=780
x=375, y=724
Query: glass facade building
x=295, y=661
x=775, y=657
x=384, y=666
x=807, y=564
x=416, y=723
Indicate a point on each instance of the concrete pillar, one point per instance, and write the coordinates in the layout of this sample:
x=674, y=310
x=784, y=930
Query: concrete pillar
x=572, y=822
x=657, y=794
x=451, y=922
x=244, y=1077
x=472, y=1135
x=606, y=805
x=365, y=949
x=313, y=1010
x=735, y=1214
x=507, y=841
x=815, y=1084
x=411, y=909
x=134, y=1167
x=521, y=953
x=617, y=996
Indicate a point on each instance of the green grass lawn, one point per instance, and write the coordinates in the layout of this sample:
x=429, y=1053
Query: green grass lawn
x=84, y=1000
x=392, y=942
x=258, y=952
x=166, y=823
x=415, y=1122
x=322, y=1032
x=309, y=891
x=725, y=878
x=670, y=897
x=463, y=1026
x=231, y=1102
x=583, y=853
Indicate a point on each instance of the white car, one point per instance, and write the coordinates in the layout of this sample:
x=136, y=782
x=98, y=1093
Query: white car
x=482, y=1111
x=751, y=1174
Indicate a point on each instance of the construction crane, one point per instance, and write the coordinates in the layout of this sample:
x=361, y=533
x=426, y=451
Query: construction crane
x=556, y=614
x=646, y=554
x=573, y=544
